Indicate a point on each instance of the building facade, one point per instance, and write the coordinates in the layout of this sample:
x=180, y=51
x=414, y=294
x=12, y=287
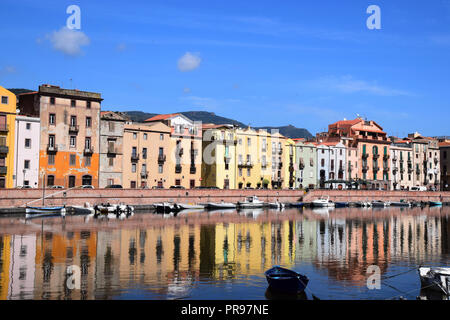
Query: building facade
x=306, y=161
x=27, y=135
x=69, y=137
x=146, y=156
x=219, y=167
x=444, y=150
x=289, y=163
x=8, y=107
x=111, y=148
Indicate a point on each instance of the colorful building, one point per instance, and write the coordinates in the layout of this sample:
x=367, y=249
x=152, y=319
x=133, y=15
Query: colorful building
x=8, y=107
x=69, y=139
x=26, y=168
x=401, y=165
x=444, y=150
x=306, y=161
x=146, y=160
x=289, y=163
x=219, y=168
x=186, y=139
x=111, y=148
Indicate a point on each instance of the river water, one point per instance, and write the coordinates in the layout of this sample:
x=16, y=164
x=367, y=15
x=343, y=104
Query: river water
x=222, y=254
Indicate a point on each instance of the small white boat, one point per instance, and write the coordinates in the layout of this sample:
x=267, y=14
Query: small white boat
x=400, y=203
x=323, y=202
x=116, y=209
x=251, y=202
x=435, y=278
x=83, y=210
x=220, y=205
x=323, y=211
x=36, y=212
x=251, y=213
x=186, y=206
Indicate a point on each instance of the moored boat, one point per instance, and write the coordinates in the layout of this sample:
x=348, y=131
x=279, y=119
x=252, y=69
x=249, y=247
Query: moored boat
x=434, y=203
x=164, y=207
x=435, y=278
x=251, y=202
x=220, y=205
x=277, y=205
x=401, y=203
x=380, y=204
x=323, y=202
x=341, y=204
x=186, y=206
x=285, y=280
x=36, y=212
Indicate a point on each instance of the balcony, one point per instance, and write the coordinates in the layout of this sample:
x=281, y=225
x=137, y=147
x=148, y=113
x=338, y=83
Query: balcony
x=280, y=165
x=376, y=168
x=395, y=169
x=161, y=158
x=365, y=155
x=4, y=128
x=395, y=159
x=112, y=150
x=178, y=168
x=179, y=152
x=410, y=169
x=52, y=148
x=291, y=168
x=341, y=169
x=88, y=150
x=73, y=128
x=280, y=152
x=247, y=164
x=3, y=169
x=301, y=166
x=386, y=156
x=192, y=169
x=144, y=174
x=385, y=169
x=4, y=149
x=376, y=156
x=436, y=160
x=134, y=156
x=365, y=168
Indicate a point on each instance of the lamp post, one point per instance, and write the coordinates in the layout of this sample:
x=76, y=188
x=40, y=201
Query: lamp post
x=43, y=186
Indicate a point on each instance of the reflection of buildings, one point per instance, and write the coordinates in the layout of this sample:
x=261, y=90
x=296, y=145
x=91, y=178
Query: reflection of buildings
x=54, y=253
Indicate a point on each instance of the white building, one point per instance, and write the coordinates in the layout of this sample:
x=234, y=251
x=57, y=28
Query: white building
x=331, y=160
x=26, y=157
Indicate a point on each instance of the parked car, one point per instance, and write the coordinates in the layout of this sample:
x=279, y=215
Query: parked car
x=24, y=187
x=56, y=187
x=114, y=186
x=177, y=187
x=204, y=187
x=421, y=188
x=87, y=187
x=157, y=187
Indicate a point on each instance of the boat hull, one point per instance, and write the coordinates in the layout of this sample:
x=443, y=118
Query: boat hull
x=224, y=205
x=286, y=281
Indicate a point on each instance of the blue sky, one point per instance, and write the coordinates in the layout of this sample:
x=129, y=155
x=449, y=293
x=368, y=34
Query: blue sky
x=305, y=63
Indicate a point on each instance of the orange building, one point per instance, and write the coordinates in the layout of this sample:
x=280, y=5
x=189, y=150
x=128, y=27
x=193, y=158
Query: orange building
x=69, y=142
x=372, y=150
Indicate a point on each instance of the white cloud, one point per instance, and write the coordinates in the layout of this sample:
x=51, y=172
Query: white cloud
x=8, y=70
x=189, y=62
x=187, y=90
x=347, y=84
x=68, y=41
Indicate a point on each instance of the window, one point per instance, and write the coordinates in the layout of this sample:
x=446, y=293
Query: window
x=133, y=167
x=51, y=159
x=111, y=161
x=87, y=143
x=73, y=103
x=249, y=142
x=161, y=136
x=322, y=162
x=178, y=182
x=240, y=172
x=73, y=141
x=133, y=184
x=4, y=100
x=161, y=151
x=72, y=159
x=88, y=104
x=26, y=164
x=88, y=122
x=160, y=168
x=52, y=100
x=51, y=140
x=134, y=135
x=248, y=172
x=28, y=126
x=144, y=153
x=87, y=161
x=110, y=182
x=145, y=136
x=73, y=121
x=87, y=180
x=111, y=126
x=52, y=118
x=28, y=143
x=50, y=180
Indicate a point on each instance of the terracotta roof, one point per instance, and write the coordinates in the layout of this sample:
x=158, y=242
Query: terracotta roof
x=344, y=123
x=162, y=117
x=215, y=126
x=298, y=139
x=444, y=144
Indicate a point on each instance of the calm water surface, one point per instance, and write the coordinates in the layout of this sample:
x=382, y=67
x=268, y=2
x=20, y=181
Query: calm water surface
x=222, y=254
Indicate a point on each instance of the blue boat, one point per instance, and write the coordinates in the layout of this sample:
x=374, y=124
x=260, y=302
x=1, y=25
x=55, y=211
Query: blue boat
x=297, y=204
x=434, y=203
x=37, y=212
x=340, y=204
x=285, y=280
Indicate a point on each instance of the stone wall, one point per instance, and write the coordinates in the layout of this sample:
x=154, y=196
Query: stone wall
x=363, y=195
x=20, y=197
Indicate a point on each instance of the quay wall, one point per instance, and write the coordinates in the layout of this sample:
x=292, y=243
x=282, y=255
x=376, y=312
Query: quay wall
x=10, y=198
x=371, y=195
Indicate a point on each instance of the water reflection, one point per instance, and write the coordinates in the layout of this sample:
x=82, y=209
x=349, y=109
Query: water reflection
x=218, y=255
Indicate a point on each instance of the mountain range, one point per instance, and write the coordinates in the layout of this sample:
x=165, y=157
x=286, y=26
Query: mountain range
x=289, y=131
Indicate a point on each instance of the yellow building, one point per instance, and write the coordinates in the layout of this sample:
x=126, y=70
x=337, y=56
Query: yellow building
x=7, y=129
x=219, y=156
x=289, y=163
x=5, y=254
